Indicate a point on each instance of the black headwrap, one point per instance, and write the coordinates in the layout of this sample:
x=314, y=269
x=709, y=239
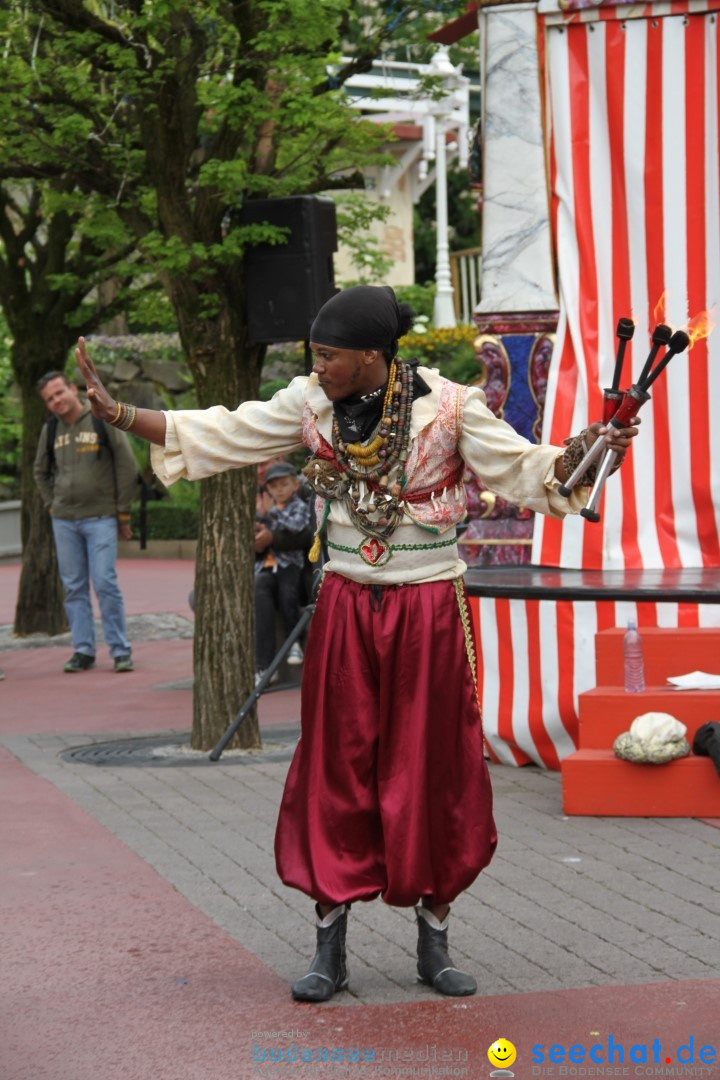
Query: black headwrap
x=361, y=317
x=364, y=317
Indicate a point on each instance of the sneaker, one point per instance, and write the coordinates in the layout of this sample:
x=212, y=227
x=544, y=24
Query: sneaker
x=124, y=663
x=295, y=655
x=261, y=671
x=79, y=662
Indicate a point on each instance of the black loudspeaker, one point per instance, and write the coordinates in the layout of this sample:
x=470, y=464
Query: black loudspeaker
x=287, y=284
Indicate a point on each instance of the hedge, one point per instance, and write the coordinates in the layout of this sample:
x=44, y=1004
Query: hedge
x=168, y=521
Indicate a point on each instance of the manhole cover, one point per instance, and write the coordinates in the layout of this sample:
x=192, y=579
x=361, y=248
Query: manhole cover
x=172, y=749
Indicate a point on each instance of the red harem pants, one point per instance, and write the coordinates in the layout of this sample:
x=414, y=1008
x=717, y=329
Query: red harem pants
x=388, y=792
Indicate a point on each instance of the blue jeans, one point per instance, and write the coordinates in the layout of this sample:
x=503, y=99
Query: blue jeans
x=86, y=551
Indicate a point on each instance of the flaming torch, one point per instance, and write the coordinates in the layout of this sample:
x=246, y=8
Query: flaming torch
x=632, y=401
x=698, y=327
x=612, y=398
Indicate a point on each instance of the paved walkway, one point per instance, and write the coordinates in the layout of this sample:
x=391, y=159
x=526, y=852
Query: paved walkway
x=145, y=933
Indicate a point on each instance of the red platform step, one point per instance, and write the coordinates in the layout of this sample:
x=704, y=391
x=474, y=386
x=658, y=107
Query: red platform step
x=594, y=781
x=597, y=783
x=607, y=711
x=667, y=651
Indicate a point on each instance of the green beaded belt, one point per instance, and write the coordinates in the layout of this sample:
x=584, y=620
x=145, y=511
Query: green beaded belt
x=376, y=553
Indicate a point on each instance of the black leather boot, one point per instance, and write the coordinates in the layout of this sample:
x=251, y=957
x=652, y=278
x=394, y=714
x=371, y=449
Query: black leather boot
x=328, y=970
x=434, y=964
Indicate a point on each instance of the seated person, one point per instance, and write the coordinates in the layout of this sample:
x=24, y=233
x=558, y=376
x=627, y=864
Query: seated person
x=278, y=572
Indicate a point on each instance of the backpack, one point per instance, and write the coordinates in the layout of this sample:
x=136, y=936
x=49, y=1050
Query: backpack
x=100, y=431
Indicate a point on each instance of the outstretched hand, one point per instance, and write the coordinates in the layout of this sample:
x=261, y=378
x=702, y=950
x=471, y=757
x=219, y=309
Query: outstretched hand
x=617, y=439
x=146, y=423
x=102, y=405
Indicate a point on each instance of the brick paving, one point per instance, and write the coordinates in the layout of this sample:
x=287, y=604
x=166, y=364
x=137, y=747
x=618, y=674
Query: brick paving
x=567, y=902
x=158, y=956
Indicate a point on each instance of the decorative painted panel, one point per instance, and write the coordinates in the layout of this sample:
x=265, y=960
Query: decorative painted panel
x=513, y=373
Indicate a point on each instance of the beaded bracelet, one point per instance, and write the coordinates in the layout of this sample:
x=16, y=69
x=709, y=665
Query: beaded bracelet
x=124, y=418
x=574, y=453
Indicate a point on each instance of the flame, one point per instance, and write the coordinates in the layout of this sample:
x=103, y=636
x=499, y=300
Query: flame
x=659, y=309
x=700, y=326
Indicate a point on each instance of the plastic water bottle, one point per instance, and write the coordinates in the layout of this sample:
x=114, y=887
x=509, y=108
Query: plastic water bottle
x=633, y=657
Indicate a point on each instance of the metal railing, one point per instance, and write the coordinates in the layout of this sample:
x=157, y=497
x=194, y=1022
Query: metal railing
x=466, y=273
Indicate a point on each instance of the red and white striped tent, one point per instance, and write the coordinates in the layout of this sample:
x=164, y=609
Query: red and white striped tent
x=632, y=96
x=632, y=115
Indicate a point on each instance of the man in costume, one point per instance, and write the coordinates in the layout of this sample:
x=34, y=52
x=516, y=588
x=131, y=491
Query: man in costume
x=388, y=793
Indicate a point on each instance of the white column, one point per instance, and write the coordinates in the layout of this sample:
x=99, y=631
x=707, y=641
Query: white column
x=441, y=109
x=444, y=308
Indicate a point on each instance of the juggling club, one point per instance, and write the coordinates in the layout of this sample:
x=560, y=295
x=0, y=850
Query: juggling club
x=624, y=332
x=678, y=343
x=612, y=396
x=633, y=399
x=660, y=336
x=589, y=512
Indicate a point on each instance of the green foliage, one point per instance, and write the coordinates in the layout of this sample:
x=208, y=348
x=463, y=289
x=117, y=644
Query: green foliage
x=88, y=88
x=10, y=421
x=149, y=310
x=267, y=389
x=355, y=215
x=173, y=114
x=449, y=350
x=141, y=453
x=60, y=245
x=184, y=493
x=421, y=298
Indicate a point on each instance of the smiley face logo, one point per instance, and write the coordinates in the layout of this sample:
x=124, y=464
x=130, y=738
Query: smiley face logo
x=502, y=1053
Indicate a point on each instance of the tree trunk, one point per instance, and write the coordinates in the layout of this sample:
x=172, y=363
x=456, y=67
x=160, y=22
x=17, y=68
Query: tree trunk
x=227, y=372
x=39, y=606
x=224, y=654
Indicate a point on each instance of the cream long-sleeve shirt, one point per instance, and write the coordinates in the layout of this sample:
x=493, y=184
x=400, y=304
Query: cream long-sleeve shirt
x=200, y=443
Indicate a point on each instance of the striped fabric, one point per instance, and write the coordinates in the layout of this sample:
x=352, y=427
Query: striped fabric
x=574, y=11
x=634, y=171
x=537, y=656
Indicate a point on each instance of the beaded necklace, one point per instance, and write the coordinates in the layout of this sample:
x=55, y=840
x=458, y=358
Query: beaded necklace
x=378, y=512
x=377, y=457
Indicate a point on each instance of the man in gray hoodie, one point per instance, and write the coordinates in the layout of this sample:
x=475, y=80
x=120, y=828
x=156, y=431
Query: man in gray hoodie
x=86, y=478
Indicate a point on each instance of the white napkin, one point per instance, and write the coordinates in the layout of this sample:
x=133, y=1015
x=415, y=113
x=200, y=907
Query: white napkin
x=695, y=680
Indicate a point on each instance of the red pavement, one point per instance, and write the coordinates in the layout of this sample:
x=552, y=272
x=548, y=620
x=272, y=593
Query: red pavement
x=149, y=586
x=37, y=696
x=108, y=972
